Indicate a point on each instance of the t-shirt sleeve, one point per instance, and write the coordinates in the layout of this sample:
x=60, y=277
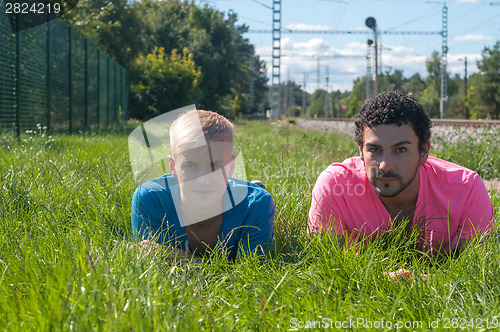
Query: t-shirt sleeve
x=324, y=215
x=257, y=232
x=478, y=213
x=147, y=219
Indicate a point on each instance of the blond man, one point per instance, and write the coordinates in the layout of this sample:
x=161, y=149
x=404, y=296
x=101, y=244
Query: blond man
x=199, y=207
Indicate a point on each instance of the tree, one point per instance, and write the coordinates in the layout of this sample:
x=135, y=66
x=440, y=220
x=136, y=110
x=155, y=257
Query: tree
x=114, y=26
x=415, y=85
x=476, y=104
x=432, y=93
x=214, y=42
x=357, y=97
x=166, y=82
x=211, y=42
x=316, y=107
x=488, y=88
x=292, y=97
x=456, y=109
x=392, y=82
x=339, y=108
x=250, y=68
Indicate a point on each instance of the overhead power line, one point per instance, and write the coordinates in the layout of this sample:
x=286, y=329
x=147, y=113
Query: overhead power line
x=347, y=32
x=262, y=4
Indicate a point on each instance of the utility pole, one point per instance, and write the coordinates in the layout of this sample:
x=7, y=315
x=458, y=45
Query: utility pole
x=251, y=99
x=443, y=105
x=304, y=98
x=375, y=44
x=276, y=65
x=372, y=24
x=284, y=104
x=318, y=74
x=326, y=105
x=368, y=70
x=465, y=92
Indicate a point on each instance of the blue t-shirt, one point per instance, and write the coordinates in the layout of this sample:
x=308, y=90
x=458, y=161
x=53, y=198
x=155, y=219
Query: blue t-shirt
x=246, y=227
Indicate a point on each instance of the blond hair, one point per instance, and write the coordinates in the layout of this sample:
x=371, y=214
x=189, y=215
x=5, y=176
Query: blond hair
x=198, y=126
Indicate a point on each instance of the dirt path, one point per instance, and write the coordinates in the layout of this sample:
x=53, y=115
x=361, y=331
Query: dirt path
x=493, y=184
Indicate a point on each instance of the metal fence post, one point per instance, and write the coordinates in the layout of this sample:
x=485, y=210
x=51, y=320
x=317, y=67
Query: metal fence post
x=98, y=101
x=70, y=79
x=107, y=91
x=18, y=74
x=116, y=113
x=121, y=95
x=85, y=97
x=127, y=92
x=49, y=60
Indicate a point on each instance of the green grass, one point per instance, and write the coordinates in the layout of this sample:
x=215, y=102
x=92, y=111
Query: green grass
x=68, y=260
x=474, y=150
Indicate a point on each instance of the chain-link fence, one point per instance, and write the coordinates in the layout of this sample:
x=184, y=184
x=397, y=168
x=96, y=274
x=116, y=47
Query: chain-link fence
x=52, y=76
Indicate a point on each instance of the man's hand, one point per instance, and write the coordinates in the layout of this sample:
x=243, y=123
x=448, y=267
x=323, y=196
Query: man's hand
x=148, y=246
x=403, y=274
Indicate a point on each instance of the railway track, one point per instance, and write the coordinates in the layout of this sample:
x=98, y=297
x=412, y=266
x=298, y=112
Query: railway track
x=436, y=122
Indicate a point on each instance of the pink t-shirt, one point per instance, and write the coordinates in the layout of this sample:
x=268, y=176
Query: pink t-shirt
x=450, y=197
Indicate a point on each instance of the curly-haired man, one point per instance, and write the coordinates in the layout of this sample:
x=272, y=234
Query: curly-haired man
x=394, y=178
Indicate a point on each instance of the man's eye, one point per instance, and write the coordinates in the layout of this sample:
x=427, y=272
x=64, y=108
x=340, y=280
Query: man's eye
x=373, y=150
x=400, y=150
x=188, y=166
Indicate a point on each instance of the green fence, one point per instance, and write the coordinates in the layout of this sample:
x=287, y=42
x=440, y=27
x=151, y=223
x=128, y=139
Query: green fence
x=52, y=76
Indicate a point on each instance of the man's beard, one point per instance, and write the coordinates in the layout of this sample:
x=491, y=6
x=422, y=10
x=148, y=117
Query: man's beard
x=402, y=186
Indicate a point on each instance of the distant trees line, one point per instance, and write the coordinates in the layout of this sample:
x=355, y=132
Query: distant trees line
x=482, y=98
x=180, y=53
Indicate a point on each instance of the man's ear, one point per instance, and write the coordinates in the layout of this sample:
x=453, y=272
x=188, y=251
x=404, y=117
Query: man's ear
x=360, y=148
x=171, y=164
x=424, y=153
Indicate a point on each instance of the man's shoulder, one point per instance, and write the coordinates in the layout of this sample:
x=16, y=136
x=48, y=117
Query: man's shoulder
x=256, y=203
x=446, y=172
x=159, y=183
x=153, y=197
x=159, y=186
x=255, y=192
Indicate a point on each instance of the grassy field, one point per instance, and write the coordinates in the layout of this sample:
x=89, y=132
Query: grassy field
x=68, y=260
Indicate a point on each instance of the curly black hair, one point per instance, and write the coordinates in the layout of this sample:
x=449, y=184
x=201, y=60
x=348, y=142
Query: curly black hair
x=397, y=108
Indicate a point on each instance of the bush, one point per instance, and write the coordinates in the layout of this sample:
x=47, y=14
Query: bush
x=168, y=82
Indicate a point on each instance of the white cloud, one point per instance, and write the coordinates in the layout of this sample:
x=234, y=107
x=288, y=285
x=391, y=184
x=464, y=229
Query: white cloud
x=312, y=45
x=347, y=62
x=344, y=64
x=354, y=48
x=409, y=64
x=359, y=28
x=466, y=1
x=286, y=44
x=456, y=63
x=304, y=26
x=472, y=38
x=402, y=50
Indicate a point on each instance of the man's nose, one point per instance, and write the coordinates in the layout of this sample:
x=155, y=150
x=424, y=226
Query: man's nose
x=204, y=178
x=386, y=163
x=208, y=175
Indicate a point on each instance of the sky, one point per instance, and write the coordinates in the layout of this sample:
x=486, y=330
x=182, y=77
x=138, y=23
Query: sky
x=472, y=25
